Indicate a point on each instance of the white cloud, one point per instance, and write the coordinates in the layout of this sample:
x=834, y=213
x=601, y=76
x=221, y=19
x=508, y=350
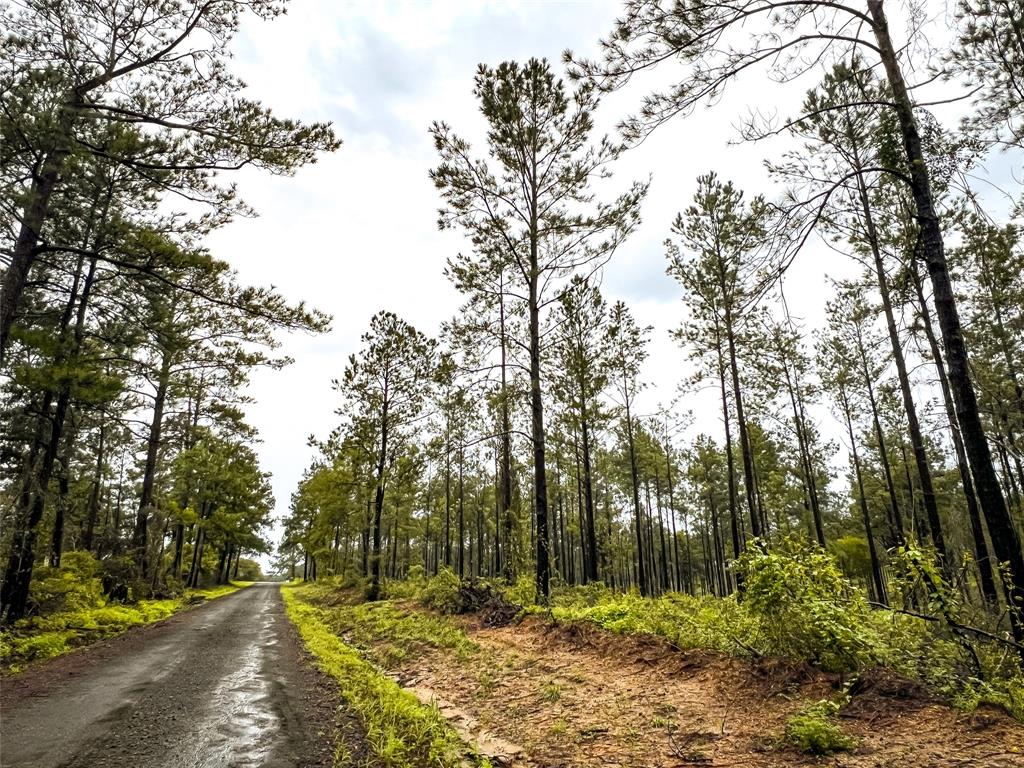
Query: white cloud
x=357, y=232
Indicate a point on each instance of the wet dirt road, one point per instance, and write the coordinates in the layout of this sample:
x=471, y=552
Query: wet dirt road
x=223, y=684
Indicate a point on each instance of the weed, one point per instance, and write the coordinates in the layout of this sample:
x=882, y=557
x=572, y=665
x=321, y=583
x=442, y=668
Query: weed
x=487, y=681
x=813, y=730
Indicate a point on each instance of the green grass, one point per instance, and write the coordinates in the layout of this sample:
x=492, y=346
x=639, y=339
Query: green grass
x=400, y=731
x=55, y=634
x=813, y=730
x=386, y=630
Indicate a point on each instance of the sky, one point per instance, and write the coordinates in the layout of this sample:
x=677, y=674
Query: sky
x=357, y=232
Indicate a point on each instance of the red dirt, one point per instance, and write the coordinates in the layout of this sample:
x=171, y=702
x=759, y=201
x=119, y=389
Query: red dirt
x=580, y=696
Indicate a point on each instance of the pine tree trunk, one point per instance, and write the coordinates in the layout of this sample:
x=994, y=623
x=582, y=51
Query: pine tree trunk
x=634, y=476
x=592, y=562
x=895, y=516
x=1005, y=540
x=378, y=504
x=730, y=468
x=34, y=217
x=748, y=461
x=540, y=480
x=93, y=510
x=140, y=534
x=877, y=575
x=924, y=473
x=987, y=577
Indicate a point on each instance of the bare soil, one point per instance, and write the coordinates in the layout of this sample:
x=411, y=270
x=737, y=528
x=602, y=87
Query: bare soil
x=552, y=695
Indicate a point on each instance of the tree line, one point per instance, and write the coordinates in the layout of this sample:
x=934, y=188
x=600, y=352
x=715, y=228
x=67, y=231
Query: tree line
x=515, y=443
x=125, y=345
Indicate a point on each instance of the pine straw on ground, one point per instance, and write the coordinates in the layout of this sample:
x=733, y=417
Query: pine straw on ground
x=555, y=695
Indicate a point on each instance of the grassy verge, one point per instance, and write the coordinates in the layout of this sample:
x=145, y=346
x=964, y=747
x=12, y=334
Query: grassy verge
x=55, y=634
x=400, y=731
x=390, y=632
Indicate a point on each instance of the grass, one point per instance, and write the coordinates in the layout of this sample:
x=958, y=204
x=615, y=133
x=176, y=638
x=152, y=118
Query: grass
x=55, y=634
x=400, y=731
x=813, y=730
x=386, y=630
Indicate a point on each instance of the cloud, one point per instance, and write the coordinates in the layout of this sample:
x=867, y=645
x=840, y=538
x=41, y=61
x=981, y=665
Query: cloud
x=357, y=231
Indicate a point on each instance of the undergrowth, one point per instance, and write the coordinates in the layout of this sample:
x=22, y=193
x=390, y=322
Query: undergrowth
x=797, y=604
x=385, y=629
x=814, y=730
x=400, y=731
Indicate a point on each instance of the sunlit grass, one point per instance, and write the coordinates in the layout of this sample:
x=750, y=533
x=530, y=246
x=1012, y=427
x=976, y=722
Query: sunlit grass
x=401, y=731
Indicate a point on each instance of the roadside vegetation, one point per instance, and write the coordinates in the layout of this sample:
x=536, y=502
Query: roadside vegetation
x=401, y=731
x=70, y=611
x=633, y=679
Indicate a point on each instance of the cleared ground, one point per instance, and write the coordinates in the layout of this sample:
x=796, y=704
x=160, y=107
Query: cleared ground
x=535, y=694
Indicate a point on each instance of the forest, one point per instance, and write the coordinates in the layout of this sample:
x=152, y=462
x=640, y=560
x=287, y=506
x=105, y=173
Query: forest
x=846, y=494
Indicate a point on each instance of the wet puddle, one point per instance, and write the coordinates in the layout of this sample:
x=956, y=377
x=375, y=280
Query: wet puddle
x=238, y=726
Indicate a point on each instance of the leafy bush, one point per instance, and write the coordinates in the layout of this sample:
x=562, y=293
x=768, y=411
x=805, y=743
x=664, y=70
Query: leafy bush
x=805, y=608
x=813, y=730
x=408, y=588
x=585, y=595
x=41, y=646
x=524, y=591
x=441, y=592
x=75, y=585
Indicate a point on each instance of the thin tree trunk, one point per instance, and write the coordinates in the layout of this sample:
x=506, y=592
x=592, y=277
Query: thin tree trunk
x=895, y=516
x=378, y=504
x=1005, y=540
x=877, y=574
x=734, y=523
x=924, y=473
x=140, y=543
x=36, y=211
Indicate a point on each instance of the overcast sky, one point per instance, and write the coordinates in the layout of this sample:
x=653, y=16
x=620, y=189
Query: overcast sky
x=357, y=232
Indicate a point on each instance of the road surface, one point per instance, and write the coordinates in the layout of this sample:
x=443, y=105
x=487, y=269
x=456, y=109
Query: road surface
x=223, y=684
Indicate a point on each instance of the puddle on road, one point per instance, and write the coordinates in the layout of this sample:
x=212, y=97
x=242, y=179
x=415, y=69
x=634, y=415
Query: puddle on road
x=239, y=727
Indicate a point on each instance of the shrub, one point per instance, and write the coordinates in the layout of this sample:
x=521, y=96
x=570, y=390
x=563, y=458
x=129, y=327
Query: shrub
x=42, y=646
x=813, y=730
x=73, y=586
x=805, y=608
x=442, y=591
x=408, y=588
x=524, y=591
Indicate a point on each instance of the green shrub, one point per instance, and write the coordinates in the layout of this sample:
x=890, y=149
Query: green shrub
x=441, y=592
x=408, y=588
x=41, y=646
x=683, y=620
x=75, y=585
x=805, y=608
x=814, y=731
x=524, y=591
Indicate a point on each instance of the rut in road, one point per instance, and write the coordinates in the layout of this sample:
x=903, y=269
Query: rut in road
x=221, y=685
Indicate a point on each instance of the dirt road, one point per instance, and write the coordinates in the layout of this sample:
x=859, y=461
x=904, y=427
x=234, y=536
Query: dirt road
x=224, y=684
